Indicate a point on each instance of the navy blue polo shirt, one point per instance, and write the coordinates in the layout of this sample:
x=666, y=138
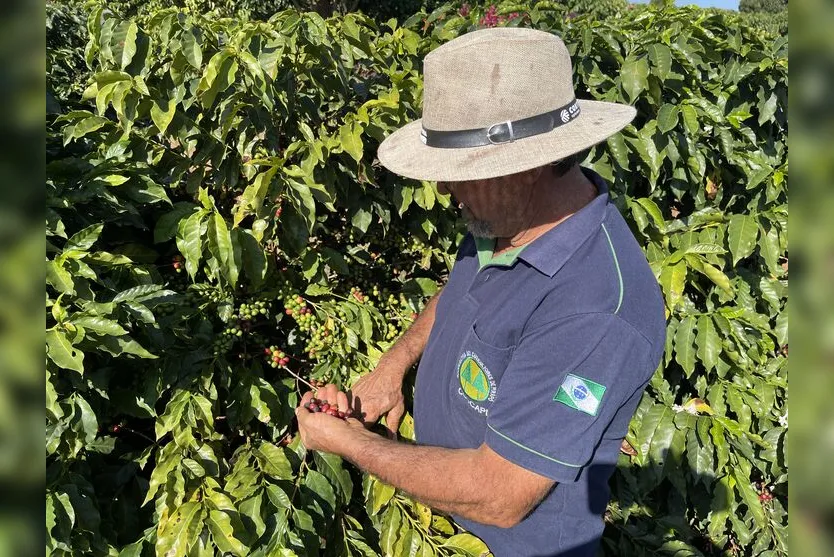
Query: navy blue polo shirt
x=543, y=355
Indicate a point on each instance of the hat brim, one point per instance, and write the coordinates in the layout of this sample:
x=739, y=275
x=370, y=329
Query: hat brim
x=404, y=153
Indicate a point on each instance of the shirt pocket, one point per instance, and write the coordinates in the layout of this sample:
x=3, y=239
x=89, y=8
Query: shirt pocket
x=476, y=375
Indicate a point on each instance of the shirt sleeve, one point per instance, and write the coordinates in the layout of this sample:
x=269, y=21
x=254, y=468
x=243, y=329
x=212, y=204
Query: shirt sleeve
x=561, y=390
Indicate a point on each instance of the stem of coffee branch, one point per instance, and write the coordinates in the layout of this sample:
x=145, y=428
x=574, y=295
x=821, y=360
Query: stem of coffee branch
x=299, y=378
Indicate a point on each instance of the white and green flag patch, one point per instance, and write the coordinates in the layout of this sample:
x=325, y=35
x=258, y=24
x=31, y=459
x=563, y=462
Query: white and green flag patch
x=580, y=394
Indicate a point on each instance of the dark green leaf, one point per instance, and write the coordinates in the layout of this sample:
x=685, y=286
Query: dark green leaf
x=84, y=239
x=685, y=344
x=634, y=75
x=667, y=118
x=741, y=236
x=190, y=240
x=63, y=353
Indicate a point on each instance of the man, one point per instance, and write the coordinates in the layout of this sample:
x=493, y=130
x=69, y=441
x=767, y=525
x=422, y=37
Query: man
x=536, y=352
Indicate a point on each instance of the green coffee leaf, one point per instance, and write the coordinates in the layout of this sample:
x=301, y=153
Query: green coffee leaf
x=708, y=342
x=190, y=240
x=223, y=535
x=191, y=47
x=180, y=531
x=99, y=325
x=690, y=119
x=62, y=352
x=254, y=194
x=274, y=462
x=162, y=117
x=721, y=505
x=741, y=236
x=667, y=118
x=221, y=246
x=351, y=140
x=661, y=58
x=390, y=530
x=166, y=225
x=685, y=344
x=634, y=75
x=750, y=498
x=133, y=550
x=251, y=509
x=381, y=495
x=467, y=544
x=84, y=239
x=128, y=42
x=330, y=466
x=672, y=280
x=59, y=278
x=699, y=454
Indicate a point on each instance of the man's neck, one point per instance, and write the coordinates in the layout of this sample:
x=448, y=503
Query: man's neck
x=554, y=201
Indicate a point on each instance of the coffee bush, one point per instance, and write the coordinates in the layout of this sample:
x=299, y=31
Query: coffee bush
x=220, y=234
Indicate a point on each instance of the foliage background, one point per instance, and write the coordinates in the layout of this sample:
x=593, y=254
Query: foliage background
x=179, y=135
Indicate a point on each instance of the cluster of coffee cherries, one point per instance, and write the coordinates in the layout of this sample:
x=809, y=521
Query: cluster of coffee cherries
x=319, y=339
x=315, y=405
x=252, y=310
x=765, y=492
x=276, y=356
x=223, y=343
x=208, y=292
x=178, y=263
x=294, y=305
x=392, y=332
x=492, y=19
x=297, y=308
x=357, y=294
x=385, y=297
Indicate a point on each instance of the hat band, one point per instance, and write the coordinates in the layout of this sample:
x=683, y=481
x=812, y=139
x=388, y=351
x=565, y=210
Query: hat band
x=503, y=132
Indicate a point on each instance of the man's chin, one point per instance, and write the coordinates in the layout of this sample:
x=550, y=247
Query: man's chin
x=480, y=228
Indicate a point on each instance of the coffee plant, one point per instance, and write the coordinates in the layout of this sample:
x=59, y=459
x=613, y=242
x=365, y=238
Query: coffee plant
x=221, y=238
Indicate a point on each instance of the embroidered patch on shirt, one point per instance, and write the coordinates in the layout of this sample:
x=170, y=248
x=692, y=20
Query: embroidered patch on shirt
x=580, y=394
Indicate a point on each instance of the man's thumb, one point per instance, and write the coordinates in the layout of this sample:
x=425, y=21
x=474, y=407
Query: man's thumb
x=392, y=420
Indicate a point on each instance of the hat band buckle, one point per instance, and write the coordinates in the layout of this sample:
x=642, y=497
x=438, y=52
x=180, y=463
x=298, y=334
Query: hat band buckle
x=490, y=133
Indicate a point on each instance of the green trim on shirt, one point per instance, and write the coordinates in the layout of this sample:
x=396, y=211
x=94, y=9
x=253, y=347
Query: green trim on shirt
x=537, y=453
x=486, y=249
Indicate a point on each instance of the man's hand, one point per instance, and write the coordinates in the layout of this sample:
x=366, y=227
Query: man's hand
x=322, y=432
x=381, y=393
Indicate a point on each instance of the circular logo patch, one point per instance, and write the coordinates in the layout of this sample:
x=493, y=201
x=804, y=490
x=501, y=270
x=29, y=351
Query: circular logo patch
x=580, y=392
x=473, y=380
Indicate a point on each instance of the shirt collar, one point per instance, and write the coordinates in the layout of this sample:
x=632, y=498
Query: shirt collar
x=549, y=252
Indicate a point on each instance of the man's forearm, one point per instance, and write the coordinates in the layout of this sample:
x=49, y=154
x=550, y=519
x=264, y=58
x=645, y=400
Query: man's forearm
x=438, y=477
x=408, y=348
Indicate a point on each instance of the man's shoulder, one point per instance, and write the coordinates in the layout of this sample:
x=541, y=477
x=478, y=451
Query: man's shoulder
x=608, y=276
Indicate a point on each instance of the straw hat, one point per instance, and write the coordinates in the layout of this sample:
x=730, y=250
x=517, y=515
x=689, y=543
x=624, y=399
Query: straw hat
x=497, y=102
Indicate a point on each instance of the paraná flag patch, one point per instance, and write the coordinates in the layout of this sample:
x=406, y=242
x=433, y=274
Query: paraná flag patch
x=580, y=394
